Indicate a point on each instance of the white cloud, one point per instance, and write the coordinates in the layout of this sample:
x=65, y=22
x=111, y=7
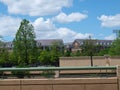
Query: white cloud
x=36, y=7
x=44, y=29
x=66, y=34
x=110, y=21
x=43, y=25
x=82, y=36
x=111, y=37
x=73, y=17
x=8, y=25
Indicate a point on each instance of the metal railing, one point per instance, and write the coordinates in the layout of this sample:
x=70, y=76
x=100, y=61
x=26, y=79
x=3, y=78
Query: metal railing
x=58, y=69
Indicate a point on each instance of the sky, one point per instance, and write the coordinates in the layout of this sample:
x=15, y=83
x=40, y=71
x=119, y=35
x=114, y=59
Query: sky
x=61, y=19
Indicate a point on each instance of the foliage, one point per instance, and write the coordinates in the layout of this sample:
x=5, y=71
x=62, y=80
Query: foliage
x=67, y=53
x=56, y=51
x=4, y=57
x=44, y=57
x=115, y=48
x=103, y=52
x=88, y=47
x=51, y=55
x=25, y=49
x=20, y=74
x=12, y=59
x=48, y=58
x=48, y=73
x=78, y=53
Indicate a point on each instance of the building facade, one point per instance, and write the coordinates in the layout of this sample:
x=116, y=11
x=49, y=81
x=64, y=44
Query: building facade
x=73, y=46
x=42, y=44
x=79, y=42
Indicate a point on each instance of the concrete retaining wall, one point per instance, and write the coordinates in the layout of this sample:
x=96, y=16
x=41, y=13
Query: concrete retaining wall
x=85, y=61
x=111, y=83
x=60, y=84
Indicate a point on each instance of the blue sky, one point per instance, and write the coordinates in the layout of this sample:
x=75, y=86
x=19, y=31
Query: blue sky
x=61, y=19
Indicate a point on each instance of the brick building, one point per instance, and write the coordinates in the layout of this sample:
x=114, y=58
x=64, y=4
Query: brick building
x=75, y=45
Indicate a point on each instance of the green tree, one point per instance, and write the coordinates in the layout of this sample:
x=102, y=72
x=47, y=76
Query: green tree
x=101, y=51
x=55, y=53
x=89, y=48
x=44, y=57
x=115, y=48
x=25, y=49
x=12, y=58
x=68, y=53
x=4, y=55
x=51, y=55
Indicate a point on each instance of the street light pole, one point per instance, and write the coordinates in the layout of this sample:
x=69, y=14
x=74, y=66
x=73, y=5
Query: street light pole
x=91, y=52
x=91, y=58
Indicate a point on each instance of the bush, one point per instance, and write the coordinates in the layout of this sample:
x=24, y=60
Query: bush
x=20, y=74
x=1, y=74
x=48, y=73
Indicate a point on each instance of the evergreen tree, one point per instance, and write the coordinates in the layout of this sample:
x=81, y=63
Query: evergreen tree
x=25, y=49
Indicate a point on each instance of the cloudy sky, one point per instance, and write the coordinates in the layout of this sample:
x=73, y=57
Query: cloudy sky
x=61, y=19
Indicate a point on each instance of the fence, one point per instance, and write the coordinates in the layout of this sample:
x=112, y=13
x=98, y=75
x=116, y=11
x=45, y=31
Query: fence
x=63, y=70
x=107, y=83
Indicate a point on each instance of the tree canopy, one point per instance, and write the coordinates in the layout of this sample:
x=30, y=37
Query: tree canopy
x=115, y=48
x=4, y=57
x=25, y=44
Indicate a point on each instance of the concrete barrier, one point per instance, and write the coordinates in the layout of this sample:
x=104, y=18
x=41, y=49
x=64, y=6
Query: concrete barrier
x=86, y=84
x=85, y=61
x=60, y=84
x=11, y=84
x=101, y=83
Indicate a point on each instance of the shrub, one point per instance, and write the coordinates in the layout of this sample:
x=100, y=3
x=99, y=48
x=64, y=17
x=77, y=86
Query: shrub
x=20, y=74
x=48, y=73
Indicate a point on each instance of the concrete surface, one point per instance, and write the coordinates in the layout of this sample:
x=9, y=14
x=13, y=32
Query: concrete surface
x=60, y=84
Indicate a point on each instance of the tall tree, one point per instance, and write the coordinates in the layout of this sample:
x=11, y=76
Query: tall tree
x=25, y=48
